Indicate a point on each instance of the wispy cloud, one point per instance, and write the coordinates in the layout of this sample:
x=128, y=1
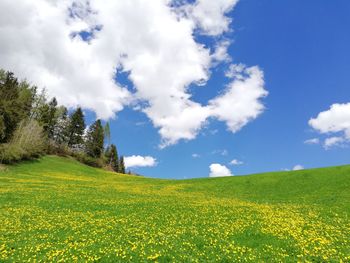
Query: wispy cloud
x=312, y=141
x=333, y=142
x=236, y=162
x=222, y=152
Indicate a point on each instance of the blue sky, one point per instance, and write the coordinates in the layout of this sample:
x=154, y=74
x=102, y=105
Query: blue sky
x=301, y=48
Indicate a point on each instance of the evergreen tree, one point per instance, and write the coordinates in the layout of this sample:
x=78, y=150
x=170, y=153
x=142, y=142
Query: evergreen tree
x=121, y=165
x=8, y=115
x=94, y=140
x=113, y=158
x=52, y=117
x=76, y=129
x=15, y=104
x=46, y=114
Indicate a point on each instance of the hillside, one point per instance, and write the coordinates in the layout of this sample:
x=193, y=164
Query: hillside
x=58, y=209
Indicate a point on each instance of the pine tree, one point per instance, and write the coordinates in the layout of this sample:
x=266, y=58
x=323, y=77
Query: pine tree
x=8, y=114
x=121, y=165
x=76, y=129
x=15, y=103
x=47, y=115
x=113, y=158
x=95, y=140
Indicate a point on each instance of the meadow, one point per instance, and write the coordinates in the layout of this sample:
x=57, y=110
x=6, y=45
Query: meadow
x=56, y=209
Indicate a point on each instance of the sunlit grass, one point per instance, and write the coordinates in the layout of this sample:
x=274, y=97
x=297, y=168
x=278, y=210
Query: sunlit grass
x=56, y=209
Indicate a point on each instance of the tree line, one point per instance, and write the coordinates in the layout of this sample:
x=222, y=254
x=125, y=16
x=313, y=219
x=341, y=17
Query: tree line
x=32, y=125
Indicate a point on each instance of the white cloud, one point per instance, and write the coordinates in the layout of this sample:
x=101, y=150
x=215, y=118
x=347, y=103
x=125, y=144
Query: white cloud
x=151, y=41
x=235, y=71
x=139, y=161
x=195, y=155
x=220, y=54
x=336, y=119
x=210, y=15
x=218, y=170
x=223, y=152
x=241, y=102
x=333, y=141
x=298, y=167
x=236, y=162
x=312, y=141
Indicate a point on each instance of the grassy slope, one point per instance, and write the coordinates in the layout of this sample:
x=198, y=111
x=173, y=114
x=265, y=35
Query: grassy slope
x=327, y=187
x=56, y=208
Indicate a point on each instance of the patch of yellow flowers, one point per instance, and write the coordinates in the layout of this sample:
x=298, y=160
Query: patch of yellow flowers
x=107, y=221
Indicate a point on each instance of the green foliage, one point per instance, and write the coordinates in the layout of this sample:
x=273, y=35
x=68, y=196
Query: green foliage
x=112, y=157
x=121, y=165
x=57, y=209
x=76, y=130
x=46, y=115
x=27, y=142
x=23, y=111
x=94, y=140
x=107, y=133
x=88, y=160
x=15, y=104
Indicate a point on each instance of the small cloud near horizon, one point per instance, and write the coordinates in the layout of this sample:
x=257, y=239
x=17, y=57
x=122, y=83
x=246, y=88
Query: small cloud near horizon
x=218, y=170
x=139, y=161
x=298, y=167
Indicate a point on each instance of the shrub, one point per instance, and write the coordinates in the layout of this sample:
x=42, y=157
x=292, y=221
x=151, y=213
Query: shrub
x=84, y=158
x=28, y=141
x=58, y=149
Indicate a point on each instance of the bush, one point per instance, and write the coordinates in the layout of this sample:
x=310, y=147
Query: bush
x=84, y=158
x=28, y=142
x=58, y=149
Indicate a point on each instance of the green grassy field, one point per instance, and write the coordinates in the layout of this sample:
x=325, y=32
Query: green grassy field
x=56, y=209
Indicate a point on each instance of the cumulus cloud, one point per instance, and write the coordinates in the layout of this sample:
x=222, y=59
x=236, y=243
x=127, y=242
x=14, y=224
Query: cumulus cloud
x=36, y=42
x=236, y=162
x=210, y=15
x=298, y=167
x=336, y=119
x=76, y=49
x=241, y=102
x=333, y=121
x=218, y=170
x=312, y=141
x=139, y=161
